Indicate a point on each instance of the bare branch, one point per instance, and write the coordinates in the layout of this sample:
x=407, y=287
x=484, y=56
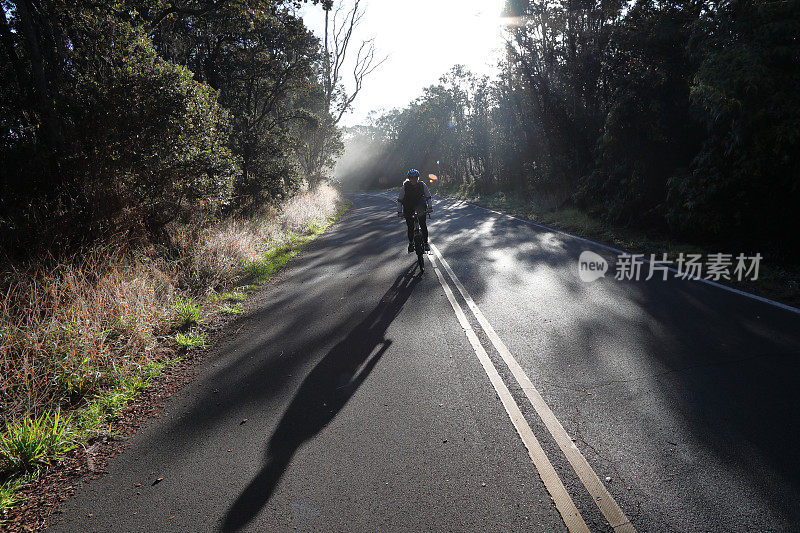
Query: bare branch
x=364, y=66
x=338, y=37
x=341, y=42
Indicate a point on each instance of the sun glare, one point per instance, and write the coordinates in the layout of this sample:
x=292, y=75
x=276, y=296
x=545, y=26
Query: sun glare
x=423, y=39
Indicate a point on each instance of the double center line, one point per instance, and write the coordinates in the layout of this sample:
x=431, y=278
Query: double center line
x=563, y=501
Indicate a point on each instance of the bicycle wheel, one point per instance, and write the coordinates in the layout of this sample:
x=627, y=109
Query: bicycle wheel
x=421, y=262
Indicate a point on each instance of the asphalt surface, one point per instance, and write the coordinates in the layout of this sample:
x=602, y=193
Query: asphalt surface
x=367, y=409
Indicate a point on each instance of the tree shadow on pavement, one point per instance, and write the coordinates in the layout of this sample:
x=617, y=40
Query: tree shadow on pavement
x=323, y=393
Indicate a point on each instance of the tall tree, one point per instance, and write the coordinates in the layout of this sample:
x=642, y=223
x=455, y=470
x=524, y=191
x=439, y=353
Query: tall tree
x=323, y=144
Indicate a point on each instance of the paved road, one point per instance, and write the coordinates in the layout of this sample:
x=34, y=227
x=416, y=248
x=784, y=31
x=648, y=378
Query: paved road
x=369, y=409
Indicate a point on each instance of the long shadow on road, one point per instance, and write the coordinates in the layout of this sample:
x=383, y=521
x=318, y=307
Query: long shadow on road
x=321, y=396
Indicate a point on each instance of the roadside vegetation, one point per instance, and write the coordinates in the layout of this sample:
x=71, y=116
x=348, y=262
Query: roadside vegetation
x=82, y=338
x=160, y=162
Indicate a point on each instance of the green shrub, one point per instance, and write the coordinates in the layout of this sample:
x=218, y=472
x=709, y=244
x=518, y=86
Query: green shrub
x=191, y=340
x=187, y=312
x=33, y=442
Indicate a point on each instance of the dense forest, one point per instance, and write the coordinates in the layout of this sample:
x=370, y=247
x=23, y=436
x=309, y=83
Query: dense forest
x=682, y=116
x=119, y=117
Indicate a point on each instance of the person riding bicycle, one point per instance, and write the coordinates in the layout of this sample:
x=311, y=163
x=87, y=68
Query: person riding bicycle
x=415, y=200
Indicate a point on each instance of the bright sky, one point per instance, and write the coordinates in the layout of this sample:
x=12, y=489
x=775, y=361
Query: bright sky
x=422, y=39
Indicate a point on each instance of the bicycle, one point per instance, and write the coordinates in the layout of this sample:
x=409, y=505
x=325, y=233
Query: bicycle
x=419, y=243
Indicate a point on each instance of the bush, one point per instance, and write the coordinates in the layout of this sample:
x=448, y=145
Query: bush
x=187, y=312
x=31, y=443
x=164, y=154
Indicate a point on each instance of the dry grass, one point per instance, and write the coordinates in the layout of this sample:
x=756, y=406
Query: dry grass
x=217, y=253
x=71, y=331
x=309, y=209
x=68, y=331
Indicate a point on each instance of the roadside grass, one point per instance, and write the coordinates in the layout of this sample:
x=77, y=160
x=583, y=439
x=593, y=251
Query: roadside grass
x=8, y=492
x=187, y=312
x=777, y=281
x=110, y=403
x=191, y=340
x=29, y=444
x=234, y=296
x=275, y=258
x=249, y=289
x=89, y=334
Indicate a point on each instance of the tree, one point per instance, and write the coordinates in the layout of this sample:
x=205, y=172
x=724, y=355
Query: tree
x=122, y=141
x=125, y=115
x=744, y=181
x=323, y=144
x=265, y=63
x=651, y=132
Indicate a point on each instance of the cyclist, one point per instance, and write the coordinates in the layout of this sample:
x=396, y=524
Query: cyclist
x=415, y=200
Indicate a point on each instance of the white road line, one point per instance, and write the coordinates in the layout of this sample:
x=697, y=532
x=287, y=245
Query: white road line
x=566, y=507
x=618, y=251
x=608, y=506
